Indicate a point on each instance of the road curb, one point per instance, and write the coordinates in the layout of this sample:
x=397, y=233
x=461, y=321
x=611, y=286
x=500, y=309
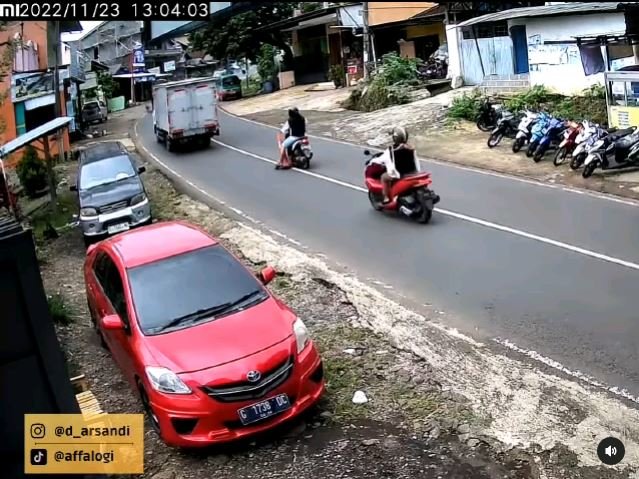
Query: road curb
x=629, y=200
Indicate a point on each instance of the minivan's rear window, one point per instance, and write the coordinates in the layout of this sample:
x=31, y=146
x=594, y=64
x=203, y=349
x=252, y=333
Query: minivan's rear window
x=231, y=81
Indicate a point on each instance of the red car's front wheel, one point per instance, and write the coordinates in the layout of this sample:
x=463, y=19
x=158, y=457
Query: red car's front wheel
x=148, y=409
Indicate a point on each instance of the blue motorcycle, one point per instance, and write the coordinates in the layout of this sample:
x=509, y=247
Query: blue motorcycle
x=552, y=136
x=537, y=132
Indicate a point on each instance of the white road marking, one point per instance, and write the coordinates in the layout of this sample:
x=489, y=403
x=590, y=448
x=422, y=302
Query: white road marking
x=460, y=216
x=601, y=196
x=560, y=367
x=620, y=392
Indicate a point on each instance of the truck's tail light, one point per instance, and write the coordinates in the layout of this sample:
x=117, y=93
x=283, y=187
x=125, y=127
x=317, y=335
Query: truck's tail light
x=211, y=126
x=177, y=133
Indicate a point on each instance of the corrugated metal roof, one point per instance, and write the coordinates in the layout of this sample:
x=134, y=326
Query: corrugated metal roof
x=546, y=11
x=48, y=128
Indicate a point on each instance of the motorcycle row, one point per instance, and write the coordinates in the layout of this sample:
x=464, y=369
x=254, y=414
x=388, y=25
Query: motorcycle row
x=588, y=145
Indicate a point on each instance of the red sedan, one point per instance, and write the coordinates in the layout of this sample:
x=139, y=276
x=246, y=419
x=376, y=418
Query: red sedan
x=212, y=353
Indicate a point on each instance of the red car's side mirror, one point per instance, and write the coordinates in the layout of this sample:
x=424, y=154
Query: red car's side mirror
x=267, y=274
x=112, y=322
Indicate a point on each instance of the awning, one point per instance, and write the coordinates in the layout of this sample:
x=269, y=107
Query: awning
x=568, y=8
x=313, y=22
x=43, y=130
x=40, y=101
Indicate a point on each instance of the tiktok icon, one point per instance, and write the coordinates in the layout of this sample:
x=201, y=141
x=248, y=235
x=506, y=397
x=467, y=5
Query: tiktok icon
x=38, y=457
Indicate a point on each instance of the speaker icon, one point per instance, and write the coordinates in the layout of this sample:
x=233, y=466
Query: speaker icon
x=611, y=451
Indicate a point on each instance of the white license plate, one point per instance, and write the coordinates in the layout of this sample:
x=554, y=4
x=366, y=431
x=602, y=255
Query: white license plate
x=119, y=228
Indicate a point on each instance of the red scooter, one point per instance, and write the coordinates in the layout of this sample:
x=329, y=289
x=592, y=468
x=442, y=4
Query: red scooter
x=413, y=197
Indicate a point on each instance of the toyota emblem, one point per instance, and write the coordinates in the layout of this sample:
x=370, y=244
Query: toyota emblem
x=253, y=376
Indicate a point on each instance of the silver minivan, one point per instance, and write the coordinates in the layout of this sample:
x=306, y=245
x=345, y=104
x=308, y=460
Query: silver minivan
x=111, y=195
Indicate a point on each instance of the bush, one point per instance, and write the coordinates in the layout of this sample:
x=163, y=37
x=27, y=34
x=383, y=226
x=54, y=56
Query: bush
x=391, y=85
x=266, y=66
x=32, y=172
x=58, y=310
x=337, y=75
x=466, y=106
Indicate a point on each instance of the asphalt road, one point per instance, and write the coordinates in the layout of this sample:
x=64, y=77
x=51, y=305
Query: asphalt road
x=504, y=258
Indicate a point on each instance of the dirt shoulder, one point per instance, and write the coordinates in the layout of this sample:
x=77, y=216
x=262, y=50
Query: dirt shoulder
x=435, y=138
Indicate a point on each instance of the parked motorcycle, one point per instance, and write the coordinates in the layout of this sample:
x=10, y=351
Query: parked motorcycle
x=524, y=130
x=617, y=150
x=537, y=132
x=414, y=198
x=300, y=153
x=552, y=137
x=568, y=143
x=488, y=115
x=506, y=126
x=585, y=143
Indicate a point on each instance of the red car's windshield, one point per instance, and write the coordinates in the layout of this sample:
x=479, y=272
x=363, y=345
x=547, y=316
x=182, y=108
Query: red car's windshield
x=190, y=288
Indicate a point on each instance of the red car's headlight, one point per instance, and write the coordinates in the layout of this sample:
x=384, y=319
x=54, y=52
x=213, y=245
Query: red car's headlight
x=166, y=381
x=301, y=335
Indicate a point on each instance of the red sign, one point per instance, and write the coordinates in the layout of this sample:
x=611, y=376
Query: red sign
x=352, y=69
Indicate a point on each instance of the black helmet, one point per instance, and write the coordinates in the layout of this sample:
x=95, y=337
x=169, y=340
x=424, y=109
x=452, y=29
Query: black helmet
x=400, y=135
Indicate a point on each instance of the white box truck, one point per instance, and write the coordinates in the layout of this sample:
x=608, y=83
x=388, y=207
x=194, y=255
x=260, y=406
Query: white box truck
x=185, y=111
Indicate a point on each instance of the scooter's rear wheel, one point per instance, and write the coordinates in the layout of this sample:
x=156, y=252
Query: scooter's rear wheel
x=577, y=161
x=560, y=156
x=494, y=139
x=517, y=144
x=589, y=169
x=376, y=202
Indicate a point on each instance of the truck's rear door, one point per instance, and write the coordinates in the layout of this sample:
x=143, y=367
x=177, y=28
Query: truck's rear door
x=179, y=103
x=204, y=105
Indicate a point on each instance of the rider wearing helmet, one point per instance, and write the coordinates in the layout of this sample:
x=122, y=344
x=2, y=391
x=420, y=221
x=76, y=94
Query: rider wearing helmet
x=404, y=161
x=293, y=130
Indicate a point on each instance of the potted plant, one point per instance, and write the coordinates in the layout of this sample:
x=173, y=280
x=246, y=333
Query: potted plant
x=337, y=75
x=266, y=66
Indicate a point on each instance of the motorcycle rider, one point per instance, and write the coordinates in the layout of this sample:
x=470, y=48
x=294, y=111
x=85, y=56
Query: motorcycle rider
x=294, y=129
x=404, y=162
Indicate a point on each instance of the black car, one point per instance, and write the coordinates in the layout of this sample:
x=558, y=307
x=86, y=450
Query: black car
x=111, y=194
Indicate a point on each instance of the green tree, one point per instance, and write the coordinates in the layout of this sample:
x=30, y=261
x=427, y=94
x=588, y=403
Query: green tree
x=238, y=37
x=110, y=87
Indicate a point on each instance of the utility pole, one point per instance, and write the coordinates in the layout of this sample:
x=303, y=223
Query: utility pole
x=366, y=39
x=58, y=113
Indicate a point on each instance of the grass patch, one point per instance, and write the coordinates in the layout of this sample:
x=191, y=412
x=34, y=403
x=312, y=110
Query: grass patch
x=253, y=88
x=58, y=309
x=56, y=217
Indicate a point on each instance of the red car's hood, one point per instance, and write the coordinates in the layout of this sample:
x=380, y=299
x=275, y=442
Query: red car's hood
x=223, y=340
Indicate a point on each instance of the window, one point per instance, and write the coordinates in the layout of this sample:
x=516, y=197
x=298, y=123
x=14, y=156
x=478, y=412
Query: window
x=498, y=29
x=109, y=278
x=38, y=116
x=200, y=280
x=106, y=171
x=231, y=81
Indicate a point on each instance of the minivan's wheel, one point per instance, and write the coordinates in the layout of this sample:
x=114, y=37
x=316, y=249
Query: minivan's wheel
x=589, y=169
x=375, y=202
x=148, y=409
x=517, y=144
x=169, y=145
x=560, y=156
x=494, y=139
x=577, y=161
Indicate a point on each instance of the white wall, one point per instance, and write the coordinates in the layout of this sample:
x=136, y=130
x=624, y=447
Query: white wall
x=560, y=67
x=454, y=62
